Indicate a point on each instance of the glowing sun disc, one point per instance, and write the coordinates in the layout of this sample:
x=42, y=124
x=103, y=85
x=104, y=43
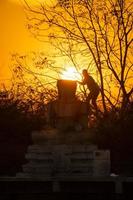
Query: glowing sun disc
x=70, y=74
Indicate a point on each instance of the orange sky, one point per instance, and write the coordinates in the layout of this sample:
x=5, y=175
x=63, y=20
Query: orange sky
x=14, y=37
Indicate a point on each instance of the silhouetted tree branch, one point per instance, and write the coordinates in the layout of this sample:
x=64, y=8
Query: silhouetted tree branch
x=91, y=30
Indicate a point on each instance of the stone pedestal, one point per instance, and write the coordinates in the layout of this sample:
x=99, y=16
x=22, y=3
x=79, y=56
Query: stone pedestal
x=67, y=114
x=54, y=153
x=49, y=161
x=67, y=111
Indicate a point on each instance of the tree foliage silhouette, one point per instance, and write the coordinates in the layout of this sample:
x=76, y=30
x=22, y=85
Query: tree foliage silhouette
x=99, y=32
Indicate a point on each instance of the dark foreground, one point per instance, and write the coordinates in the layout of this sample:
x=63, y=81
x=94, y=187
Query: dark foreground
x=62, y=196
x=98, y=189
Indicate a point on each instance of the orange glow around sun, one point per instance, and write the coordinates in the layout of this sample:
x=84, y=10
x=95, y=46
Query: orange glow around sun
x=70, y=74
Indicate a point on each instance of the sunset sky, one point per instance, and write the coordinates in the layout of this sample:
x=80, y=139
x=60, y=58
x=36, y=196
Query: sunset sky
x=14, y=37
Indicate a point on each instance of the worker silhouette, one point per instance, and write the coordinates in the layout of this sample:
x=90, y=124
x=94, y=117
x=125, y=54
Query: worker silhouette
x=92, y=86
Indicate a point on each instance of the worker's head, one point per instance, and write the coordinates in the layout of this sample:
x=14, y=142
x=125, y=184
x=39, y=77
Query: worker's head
x=84, y=72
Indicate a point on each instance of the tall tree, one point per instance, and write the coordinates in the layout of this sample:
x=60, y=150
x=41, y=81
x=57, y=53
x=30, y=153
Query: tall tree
x=98, y=31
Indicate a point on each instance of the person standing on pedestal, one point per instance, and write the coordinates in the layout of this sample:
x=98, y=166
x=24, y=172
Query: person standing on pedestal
x=92, y=86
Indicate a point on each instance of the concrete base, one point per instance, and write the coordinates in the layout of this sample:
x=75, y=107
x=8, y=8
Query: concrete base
x=66, y=160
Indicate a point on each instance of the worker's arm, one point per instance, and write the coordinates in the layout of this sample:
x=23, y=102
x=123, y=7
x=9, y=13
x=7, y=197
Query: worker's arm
x=81, y=82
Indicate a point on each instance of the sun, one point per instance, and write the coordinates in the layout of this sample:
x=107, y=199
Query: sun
x=70, y=74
